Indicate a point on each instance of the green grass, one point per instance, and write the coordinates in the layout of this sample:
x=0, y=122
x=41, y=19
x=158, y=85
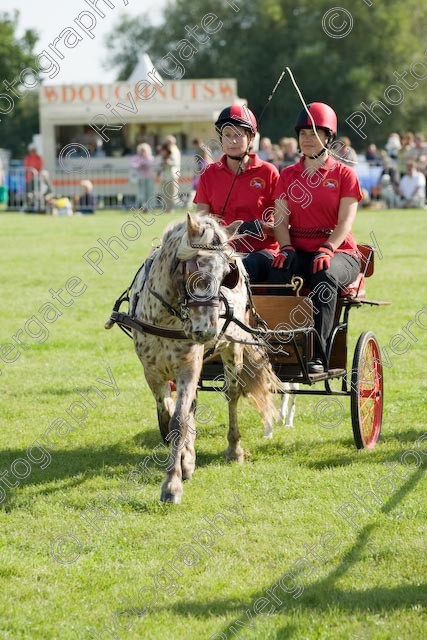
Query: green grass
x=369, y=584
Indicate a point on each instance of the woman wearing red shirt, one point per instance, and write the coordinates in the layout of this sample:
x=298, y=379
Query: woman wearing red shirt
x=315, y=206
x=241, y=187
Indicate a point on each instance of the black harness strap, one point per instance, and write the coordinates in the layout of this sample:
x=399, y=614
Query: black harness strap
x=125, y=322
x=166, y=305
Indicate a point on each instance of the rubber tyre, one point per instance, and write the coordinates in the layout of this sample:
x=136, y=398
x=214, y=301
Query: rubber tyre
x=366, y=391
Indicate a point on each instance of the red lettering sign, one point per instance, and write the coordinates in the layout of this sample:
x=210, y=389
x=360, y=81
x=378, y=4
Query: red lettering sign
x=86, y=93
x=226, y=89
x=208, y=90
x=50, y=94
x=68, y=94
x=100, y=94
x=143, y=90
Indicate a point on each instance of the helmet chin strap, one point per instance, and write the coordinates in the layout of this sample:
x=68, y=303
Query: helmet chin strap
x=316, y=155
x=240, y=158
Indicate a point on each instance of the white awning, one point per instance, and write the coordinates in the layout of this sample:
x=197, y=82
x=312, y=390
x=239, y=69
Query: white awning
x=142, y=69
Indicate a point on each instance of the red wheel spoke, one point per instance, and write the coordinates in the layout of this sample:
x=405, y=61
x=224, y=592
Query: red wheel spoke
x=367, y=394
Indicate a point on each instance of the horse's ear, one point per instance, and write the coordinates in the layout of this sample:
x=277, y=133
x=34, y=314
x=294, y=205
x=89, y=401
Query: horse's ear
x=232, y=228
x=194, y=230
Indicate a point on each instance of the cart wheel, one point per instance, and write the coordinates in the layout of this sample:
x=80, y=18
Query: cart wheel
x=367, y=391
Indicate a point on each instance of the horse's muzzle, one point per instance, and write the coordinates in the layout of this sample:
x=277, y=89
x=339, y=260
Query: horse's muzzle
x=204, y=335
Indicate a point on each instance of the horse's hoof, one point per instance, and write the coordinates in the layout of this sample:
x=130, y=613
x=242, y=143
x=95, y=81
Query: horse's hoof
x=268, y=434
x=167, y=496
x=235, y=456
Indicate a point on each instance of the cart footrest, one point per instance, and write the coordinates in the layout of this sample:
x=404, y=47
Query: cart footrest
x=287, y=373
x=213, y=371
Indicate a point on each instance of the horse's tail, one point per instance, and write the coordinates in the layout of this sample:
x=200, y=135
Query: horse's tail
x=258, y=380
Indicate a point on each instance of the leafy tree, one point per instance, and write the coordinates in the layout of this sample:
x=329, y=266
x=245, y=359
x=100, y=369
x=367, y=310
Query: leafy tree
x=256, y=42
x=16, y=54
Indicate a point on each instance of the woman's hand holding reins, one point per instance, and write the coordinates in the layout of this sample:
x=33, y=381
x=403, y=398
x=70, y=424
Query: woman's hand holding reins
x=286, y=257
x=322, y=259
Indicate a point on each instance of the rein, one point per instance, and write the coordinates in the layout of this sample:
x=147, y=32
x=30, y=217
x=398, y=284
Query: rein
x=128, y=321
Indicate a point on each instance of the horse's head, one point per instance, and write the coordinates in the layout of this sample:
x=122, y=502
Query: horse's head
x=205, y=266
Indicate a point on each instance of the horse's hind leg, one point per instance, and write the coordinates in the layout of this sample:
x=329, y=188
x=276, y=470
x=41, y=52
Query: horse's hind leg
x=164, y=403
x=287, y=409
x=234, y=450
x=165, y=409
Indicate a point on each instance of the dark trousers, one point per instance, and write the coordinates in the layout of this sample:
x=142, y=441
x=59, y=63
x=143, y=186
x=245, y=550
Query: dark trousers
x=324, y=286
x=258, y=266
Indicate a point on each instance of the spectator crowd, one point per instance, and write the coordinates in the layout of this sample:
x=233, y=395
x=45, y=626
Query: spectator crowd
x=402, y=182
x=402, y=169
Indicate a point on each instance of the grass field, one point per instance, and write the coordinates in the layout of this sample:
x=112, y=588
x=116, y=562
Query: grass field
x=88, y=550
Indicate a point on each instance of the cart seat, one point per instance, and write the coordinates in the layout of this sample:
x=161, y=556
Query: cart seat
x=355, y=289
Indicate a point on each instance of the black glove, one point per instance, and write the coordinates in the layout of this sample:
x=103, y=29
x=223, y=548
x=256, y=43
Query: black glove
x=252, y=227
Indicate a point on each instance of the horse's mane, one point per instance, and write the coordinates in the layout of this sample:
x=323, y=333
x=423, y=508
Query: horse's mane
x=212, y=234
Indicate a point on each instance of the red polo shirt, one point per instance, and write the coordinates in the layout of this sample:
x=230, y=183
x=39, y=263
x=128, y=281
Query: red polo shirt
x=251, y=198
x=313, y=200
x=35, y=162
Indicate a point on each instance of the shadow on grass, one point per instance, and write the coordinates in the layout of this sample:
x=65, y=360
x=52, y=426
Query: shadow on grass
x=347, y=453
x=74, y=467
x=321, y=594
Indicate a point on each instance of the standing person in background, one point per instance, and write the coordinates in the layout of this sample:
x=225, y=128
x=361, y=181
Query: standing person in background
x=34, y=164
x=404, y=154
x=315, y=237
x=167, y=188
x=240, y=187
x=201, y=161
x=142, y=165
x=173, y=161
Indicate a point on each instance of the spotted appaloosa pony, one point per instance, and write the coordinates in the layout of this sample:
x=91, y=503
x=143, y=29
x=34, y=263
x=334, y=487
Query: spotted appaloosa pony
x=187, y=288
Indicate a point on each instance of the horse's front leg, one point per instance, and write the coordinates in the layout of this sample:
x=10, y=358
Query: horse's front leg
x=188, y=455
x=182, y=433
x=234, y=450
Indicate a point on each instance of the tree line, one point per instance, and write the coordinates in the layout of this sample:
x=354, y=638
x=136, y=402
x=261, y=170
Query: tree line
x=366, y=58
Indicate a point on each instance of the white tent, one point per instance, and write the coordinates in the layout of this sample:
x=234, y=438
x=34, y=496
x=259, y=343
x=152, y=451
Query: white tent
x=142, y=69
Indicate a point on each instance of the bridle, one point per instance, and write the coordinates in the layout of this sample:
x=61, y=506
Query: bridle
x=186, y=299
x=190, y=274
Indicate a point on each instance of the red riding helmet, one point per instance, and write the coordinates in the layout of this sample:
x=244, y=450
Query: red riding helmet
x=321, y=114
x=238, y=115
